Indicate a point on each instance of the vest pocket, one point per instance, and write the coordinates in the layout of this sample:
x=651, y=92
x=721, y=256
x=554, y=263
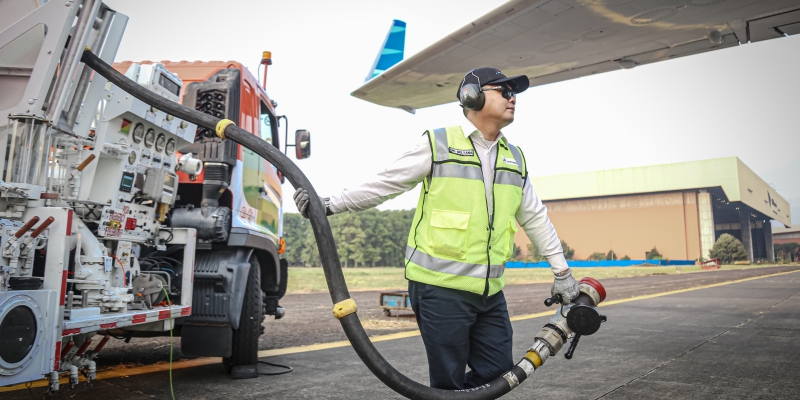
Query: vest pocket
x=447, y=235
x=512, y=230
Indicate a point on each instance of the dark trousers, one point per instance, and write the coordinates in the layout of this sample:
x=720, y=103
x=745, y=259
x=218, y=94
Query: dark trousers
x=462, y=329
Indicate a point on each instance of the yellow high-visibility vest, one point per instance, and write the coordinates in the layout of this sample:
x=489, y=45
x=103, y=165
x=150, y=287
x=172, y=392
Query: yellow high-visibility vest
x=452, y=242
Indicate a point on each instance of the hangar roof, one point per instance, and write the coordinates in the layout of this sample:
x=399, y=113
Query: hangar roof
x=777, y=230
x=730, y=174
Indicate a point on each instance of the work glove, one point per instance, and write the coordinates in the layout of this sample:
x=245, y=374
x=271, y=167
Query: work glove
x=565, y=285
x=301, y=199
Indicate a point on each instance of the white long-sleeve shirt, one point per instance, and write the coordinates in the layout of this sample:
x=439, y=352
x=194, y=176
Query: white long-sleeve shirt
x=413, y=166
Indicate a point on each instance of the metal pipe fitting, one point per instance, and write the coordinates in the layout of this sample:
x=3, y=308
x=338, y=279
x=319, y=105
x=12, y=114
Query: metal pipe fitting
x=542, y=348
x=91, y=373
x=73, y=376
x=54, y=384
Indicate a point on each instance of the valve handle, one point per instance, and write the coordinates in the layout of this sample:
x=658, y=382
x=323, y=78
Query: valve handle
x=572, y=346
x=552, y=300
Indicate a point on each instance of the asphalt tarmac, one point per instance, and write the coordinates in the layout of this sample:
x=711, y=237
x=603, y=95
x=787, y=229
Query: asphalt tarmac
x=308, y=319
x=737, y=340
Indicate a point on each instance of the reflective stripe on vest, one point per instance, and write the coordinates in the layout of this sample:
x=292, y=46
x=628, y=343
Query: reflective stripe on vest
x=440, y=135
x=452, y=242
x=452, y=267
x=457, y=171
x=508, y=178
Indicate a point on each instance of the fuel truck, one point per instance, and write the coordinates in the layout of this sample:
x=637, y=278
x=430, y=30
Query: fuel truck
x=120, y=219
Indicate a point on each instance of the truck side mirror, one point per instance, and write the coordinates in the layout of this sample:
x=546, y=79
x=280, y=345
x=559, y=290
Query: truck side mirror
x=302, y=143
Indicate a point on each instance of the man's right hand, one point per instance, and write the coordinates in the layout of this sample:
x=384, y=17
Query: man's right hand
x=301, y=199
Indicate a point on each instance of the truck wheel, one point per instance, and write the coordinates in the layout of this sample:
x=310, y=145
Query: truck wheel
x=244, y=352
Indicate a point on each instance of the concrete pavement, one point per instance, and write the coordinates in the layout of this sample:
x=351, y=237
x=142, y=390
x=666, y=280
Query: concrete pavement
x=736, y=340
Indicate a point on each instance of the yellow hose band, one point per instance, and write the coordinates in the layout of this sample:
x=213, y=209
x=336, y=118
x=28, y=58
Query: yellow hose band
x=221, y=125
x=533, y=357
x=344, y=308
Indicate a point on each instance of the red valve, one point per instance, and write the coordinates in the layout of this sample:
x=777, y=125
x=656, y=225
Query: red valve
x=596, y=285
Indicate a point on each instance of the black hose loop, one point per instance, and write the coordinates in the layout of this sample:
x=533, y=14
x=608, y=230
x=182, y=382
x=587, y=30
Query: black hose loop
x=322, y=233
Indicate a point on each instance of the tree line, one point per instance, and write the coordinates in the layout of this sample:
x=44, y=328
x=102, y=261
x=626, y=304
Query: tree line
x=569, y=254
x=368, y=238
x=378, y=238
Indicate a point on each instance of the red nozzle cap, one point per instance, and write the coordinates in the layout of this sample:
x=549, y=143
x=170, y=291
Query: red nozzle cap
x=596, y=285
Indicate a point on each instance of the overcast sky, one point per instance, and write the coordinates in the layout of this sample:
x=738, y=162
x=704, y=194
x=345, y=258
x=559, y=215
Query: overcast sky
x=741, y=101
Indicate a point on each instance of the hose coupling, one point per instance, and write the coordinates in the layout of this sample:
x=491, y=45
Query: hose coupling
x=542, y=350
x=511, y=378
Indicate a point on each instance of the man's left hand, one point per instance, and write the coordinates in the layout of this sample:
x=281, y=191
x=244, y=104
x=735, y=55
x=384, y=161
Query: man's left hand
x=565, y=285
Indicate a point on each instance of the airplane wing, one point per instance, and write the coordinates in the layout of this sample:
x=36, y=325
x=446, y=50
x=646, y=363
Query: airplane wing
x=556, y=40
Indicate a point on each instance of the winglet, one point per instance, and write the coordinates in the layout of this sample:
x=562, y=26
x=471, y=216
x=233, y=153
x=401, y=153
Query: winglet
x=391, y=52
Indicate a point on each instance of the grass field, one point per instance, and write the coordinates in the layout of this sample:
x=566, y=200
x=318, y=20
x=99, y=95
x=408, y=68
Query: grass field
x=307, y=280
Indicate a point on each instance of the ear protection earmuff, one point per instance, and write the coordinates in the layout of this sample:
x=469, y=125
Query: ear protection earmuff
x=471, y=95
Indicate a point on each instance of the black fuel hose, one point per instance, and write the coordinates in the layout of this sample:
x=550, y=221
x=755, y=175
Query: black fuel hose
x=322, y=232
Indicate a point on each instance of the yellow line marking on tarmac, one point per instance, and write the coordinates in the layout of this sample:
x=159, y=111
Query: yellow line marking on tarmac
x=654, y=295
x=333, y=345
x=197, y=362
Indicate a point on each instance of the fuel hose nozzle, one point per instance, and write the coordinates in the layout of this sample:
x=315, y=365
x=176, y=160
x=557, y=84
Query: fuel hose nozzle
x=579, y=318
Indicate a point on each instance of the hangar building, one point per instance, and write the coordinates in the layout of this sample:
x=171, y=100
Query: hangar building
x=680, y=208
x=783, y=235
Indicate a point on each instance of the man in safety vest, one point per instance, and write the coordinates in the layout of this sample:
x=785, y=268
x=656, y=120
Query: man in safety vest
x=475, y=189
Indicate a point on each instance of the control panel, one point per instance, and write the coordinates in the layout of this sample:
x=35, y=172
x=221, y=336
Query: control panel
x=131, y=181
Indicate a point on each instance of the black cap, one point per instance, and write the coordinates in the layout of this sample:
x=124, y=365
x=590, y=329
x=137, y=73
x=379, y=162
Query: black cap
x=485, y=75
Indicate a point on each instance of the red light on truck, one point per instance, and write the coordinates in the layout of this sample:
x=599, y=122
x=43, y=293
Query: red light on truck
x=130, y=224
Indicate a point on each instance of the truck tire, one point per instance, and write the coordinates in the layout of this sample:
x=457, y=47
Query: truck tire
x=244, y=351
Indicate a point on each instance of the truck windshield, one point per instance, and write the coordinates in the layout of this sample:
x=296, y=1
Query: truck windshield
x=269, y=129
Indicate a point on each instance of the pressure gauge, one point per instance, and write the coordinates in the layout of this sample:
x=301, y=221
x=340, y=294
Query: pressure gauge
x=160, y=142
x=132, y=158
x=170, y=146
x=149, y=138
x=138, y=133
